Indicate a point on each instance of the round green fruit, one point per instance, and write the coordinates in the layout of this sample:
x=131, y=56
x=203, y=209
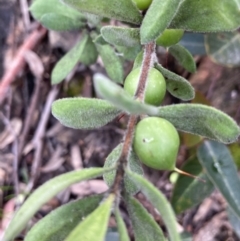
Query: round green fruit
x=155, y=89
x=156, y=142
x=142, y=4
x=170, y=37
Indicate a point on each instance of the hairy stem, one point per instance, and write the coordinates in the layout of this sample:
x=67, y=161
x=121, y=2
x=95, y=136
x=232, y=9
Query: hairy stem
x=148, y=57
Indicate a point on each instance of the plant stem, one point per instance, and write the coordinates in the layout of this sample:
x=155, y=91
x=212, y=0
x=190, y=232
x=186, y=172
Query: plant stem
x=148, y=57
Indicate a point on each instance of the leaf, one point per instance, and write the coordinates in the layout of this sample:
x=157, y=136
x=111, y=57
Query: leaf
x=138, y=60
x=183, y=56
x=120, y=98
x=128, y=37
x=234, y=220
x=160, y=202
x=201, y=120
x=55, y=15
x=123, y=233
x=221, y=170
x=123, y=10
x=185, y=236
x=188, y=192
x=94, y=226
x=112, y=63
x=194, y=42
x=45, y=193
x=100, y=40
x=144, y=226
x=128, y=53
x=204, y=16
x=224, y=48
x=68, y=61
x=177, y=85
x=235, y=152
x=133, y=165
x=83, y=113
x=157, y=19
x=60, y=222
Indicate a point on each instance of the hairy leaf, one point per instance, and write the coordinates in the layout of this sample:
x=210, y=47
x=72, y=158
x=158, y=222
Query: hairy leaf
x=188, y=192
x=100, y=40
x=60, y=222
x=138, y=60
x=207, y=15
x=123, y=10
x=234, y=220
x=157, y=19
x=112, y=63
x=144, y=226
x=160, y=202
x=177, y=85
x=201, y=120
x=222, y=171
x=121, y=36
x=45, y=193
x=133, y=164
x=123, y=233
x=120, y=98
x=83, y=113
x=94, y=226
x=128, y=53
x=183, y=56
x=224, y=48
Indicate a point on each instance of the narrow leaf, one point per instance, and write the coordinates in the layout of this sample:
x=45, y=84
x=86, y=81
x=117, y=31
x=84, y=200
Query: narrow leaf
x=177, y=85
x=201, y=120
x=128, y=37
x=157, y=19
x=68, y=61
x=120, y=98
x=144, y=226
x=60, y=222
x=234, y=220
x=188, y=192
x=83, y=113
x=123, y=233
x=204, y=16
x=160, y=202
x=184, y=57
x=112, y=62
x=123, y=10
x=222, y=171
x=133, y=164
x=94, y=226
x=45, y=193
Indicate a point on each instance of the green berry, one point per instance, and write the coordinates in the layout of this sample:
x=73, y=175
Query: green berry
x=155, y=89
x=156, y=142
x=142, y=4
x=170, y=37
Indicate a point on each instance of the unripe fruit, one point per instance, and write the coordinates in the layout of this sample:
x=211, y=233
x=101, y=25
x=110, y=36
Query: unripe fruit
x=156, y=143
x=170, y=37
x=155, y=89
x=142, y=4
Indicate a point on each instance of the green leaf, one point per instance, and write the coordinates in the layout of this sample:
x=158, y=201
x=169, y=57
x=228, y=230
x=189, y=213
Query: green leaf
x=188, y=192
x=94, y=226
x=123, y=233
x=157, y=19
x=201, y=120
x=100, y=40
x=120, y=98
x=45, y=193
x=235, y=152
x=128, y=53
x=84, y=113
x=55, y=15
x=128, y=37
x=234, y=220
x=123, y=10
x=133, y=164
x=112, y=63
x=68, y=61
x=221, y=170
x=138, y=60
x=183, y=56
x=60, y=222
x=207, y=15
x=185, y=236
x=224, y=48
x=144, y=226
x=177, y=85
x=160, y=202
